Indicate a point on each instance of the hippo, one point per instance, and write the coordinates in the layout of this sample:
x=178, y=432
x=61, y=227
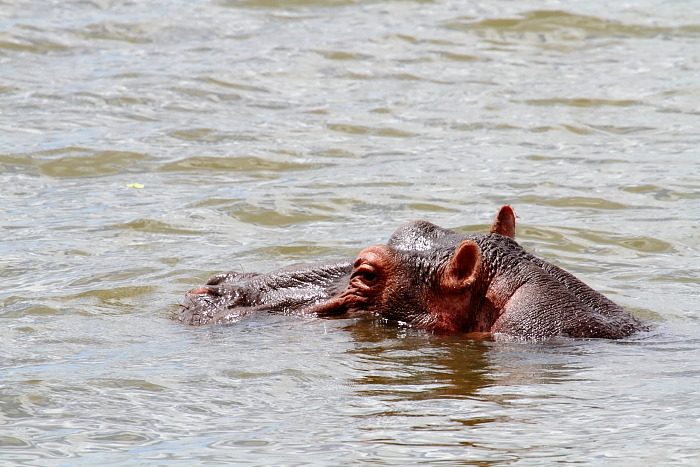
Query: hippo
x=428, y=277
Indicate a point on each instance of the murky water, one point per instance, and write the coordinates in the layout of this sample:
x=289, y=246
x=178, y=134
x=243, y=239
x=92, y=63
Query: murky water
x=271, y=132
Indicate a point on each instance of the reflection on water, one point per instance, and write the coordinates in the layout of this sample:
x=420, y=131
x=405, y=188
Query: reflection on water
x=415, y=365
x=265, y=133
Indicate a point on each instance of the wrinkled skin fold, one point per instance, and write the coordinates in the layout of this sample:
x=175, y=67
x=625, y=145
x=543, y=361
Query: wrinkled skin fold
x=431, y=278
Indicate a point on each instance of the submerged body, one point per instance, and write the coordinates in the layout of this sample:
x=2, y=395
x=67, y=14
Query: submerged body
x=428, y=277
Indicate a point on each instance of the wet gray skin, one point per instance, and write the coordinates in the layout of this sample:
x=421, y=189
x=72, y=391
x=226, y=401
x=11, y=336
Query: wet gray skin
x=228, y=296
x=512, y=293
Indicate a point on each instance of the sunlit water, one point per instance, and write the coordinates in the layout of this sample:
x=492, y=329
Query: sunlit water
x=272, y=132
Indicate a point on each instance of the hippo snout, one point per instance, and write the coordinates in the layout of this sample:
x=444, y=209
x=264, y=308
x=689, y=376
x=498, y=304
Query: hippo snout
x=204, y=304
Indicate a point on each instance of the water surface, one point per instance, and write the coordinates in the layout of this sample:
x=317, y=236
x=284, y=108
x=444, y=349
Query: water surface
x=146, y=146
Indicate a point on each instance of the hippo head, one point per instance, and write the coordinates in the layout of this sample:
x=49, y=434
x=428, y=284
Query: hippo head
x=429, y=288
x=425, y=275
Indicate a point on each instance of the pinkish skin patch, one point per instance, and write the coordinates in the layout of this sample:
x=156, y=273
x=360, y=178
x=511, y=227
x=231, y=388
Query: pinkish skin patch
x=199, y=291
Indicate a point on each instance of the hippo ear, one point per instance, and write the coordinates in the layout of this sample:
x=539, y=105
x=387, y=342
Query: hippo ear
x=463, y=267
x=504, y=223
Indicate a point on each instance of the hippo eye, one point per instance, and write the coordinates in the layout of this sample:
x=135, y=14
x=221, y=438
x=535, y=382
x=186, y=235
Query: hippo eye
x=367, y=276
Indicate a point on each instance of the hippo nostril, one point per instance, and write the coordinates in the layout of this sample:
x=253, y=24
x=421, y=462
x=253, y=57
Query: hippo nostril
x=217, y=279
x=200, y=291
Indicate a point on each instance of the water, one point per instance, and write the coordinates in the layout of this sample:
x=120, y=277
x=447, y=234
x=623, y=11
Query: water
x=272, y=132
